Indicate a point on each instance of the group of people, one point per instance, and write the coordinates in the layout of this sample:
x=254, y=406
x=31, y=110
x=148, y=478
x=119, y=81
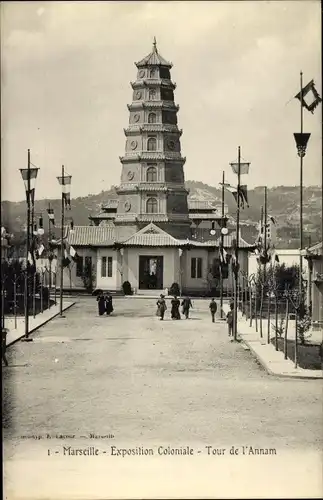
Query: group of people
x=175, y=303
x=105, y=305
x=186, y=306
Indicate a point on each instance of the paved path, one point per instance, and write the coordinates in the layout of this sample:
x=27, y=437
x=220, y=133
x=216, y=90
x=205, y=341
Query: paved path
x=273, y=361
x=151, y=383
x=17, y=327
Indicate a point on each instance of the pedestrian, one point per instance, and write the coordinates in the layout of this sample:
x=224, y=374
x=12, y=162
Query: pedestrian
x=108, y=303
x=4, y=332
x=175, y=308
x=230, y=319
x=186, y=305
x=213, y=308
x=161, y=307
x=101, y=303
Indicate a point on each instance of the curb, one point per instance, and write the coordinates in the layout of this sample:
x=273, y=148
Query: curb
x=42, y=324
x=274, y=374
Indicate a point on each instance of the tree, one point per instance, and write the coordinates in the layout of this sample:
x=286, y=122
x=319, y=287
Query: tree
x=88, y=276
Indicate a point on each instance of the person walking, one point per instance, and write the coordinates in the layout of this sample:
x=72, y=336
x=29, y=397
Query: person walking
x=4, y=332
x=101, y=303
x=161, y=307
x=213, y=308
x=108, y=303
x=186, y=305
x=175, y=308
x=230, y=319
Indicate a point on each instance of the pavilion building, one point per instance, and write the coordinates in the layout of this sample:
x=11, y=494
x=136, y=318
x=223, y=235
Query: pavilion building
x=152, y=235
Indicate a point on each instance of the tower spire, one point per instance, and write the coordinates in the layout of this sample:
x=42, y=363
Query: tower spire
x=154, y=45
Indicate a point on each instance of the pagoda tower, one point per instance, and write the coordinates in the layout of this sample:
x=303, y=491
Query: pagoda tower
x=152, y=185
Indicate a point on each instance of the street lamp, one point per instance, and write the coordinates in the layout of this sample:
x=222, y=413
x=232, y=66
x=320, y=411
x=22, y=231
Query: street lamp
x=65, y=182
x=29, y=176
x=238, y=168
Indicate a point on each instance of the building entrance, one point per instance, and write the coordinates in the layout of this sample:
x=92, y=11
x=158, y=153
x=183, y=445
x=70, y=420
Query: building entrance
x=151, y=270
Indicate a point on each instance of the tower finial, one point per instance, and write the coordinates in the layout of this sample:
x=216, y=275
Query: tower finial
x=155, y=44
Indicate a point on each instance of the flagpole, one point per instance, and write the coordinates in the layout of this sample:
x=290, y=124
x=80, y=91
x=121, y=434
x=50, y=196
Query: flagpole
x=263, y=232
x=301, y=201
x=49, y=251
x=27, y=251
x=237, y=252
x=62, y=251
x=222, y=242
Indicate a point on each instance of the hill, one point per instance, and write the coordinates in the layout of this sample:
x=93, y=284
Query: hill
x=283, y=204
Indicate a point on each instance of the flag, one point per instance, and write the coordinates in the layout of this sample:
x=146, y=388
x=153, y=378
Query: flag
x=67, y=200
x=223, y=256
x=273, y=220
x=32, y=174
x=273, y=255
x=65, y=182
x=233, y=191
x=244, y=168
x=39, y=251
x=244, y=195
x=316, y=99
x=73, y=253
x=66, y=259
x=51, y=216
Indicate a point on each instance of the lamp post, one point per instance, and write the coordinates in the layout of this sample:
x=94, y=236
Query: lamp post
x=238, y=168
x=29, y=176
x=65, y=182
x=301, y=140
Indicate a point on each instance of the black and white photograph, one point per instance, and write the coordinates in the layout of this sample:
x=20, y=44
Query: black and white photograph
x=161, y=249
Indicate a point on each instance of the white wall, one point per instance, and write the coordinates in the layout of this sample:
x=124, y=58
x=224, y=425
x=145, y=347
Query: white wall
x=107, y=283
x=287, y=257
x=194, y=283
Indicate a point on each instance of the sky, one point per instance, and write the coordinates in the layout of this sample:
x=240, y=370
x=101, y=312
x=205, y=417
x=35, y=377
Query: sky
x=66, y=71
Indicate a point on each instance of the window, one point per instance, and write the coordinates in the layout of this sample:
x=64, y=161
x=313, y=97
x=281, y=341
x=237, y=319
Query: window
x=109, y=267
x=79, y=266
x=196, y=267
x=151, y=174
x=152, y=144
x=152, y=118
x=104, y=267
x=152, y=94
x=152, y=206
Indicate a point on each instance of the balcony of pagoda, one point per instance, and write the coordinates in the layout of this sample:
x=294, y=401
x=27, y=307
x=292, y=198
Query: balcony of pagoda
x=153, y=156
x=153, y=82
x=167, y=105
x=152, y=127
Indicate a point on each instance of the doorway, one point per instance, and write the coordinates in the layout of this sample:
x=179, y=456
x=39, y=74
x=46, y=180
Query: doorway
x=151, y=271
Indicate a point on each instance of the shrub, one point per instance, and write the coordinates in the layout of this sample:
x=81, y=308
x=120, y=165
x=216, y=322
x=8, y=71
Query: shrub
x=88, y=276
x=174, y=289
x=303, y=324
x=126, y=286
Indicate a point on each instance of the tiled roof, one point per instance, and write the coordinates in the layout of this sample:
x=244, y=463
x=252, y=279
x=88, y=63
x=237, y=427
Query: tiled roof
x=315, y=249
x=201, y=205
x=92, y=235
x=107, y=235
x=228, y=239
x=152, y=240
x=208, y=216
x=110, y=204
x=153, y=59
